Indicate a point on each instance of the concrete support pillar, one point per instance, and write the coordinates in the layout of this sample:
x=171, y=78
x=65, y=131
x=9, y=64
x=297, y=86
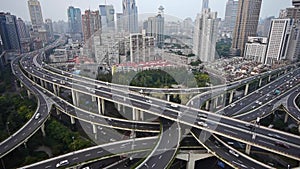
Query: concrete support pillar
x=192, y=161
x=215, y=102
x=94, y=98
x=231, y=96
x=269, y=78
x=286, y=117
x=57, y=112
x=134, y=114
x=246, y=89
x=29, y=94
x=43, y=130
x=118, y=107
x=207, y=105
x=260, y=82
x=141, y=113
x=168, y=97
x=21, y=84
x=42, y=83
x=72, y=120
x=58, y=90
x=74, y=98
x=99, y=105
x=94, y=129
x=102, y=106
x=248, y=149
x=54, y=89
x=299, y=127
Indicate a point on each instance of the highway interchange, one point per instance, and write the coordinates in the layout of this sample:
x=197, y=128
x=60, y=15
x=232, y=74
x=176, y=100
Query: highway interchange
x=191, y=116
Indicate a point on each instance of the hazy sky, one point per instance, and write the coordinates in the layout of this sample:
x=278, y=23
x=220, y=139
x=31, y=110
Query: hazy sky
x=57, y=9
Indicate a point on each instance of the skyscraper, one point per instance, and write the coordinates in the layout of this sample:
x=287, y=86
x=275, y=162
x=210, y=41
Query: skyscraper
x=49, y=29
x=130, y=16
x=90, y=23
x=75, y=23
x=205, y=4
x=9, y=32
x=36, y=16
x=246, y=24
x=294, y=43
x=155, y=27
x=22, y=29
x=278, y=40
x=107, y=13
x=230, y=15
x=205, y=35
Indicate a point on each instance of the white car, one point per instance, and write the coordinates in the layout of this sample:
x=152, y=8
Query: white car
x=148, y=101
x=174, y=105
x=62, y=163
x=202, y=124
x=37, y=116
x=234, y=153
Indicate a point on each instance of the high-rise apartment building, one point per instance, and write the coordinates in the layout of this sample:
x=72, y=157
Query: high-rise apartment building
x=90, y=23
x=246, y=24
x=256, y=49
x=75, y=23
x=205, y=35
x=155, y=27
x=107, y=14
x=130, y=16
x=280, y=32
x=36, y=16
x=141, y=48
x=230, y=15
x=9, y=32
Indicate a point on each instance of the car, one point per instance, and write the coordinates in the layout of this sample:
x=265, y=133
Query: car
x=232, y=105
x=54, y=80
x=281, y=144
x=62, y=163
x=87, y=167
x=37, y=116
x=148, y=101
x=234, y=153
x=112, y=139
x=174, y=105
x=202, y=124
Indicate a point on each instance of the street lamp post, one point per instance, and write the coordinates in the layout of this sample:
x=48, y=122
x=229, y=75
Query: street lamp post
x=7, y=123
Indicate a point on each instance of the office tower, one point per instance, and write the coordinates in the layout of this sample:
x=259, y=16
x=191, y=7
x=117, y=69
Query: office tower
x=155, y=27
x=36, y=16
x=9, y=32
x=90, y=23
x=205, y=35
x=130, y=16
x=205, y=4
x=120, y=25
x=256, y=48
x=75, y=23
x=22, y=29
x=230, y=15
x=107, y=14
x=246, y=24
x=280, y=32
x=49, y=29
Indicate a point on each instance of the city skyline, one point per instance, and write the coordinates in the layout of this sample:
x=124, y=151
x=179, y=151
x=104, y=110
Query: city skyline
x=171, y=8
